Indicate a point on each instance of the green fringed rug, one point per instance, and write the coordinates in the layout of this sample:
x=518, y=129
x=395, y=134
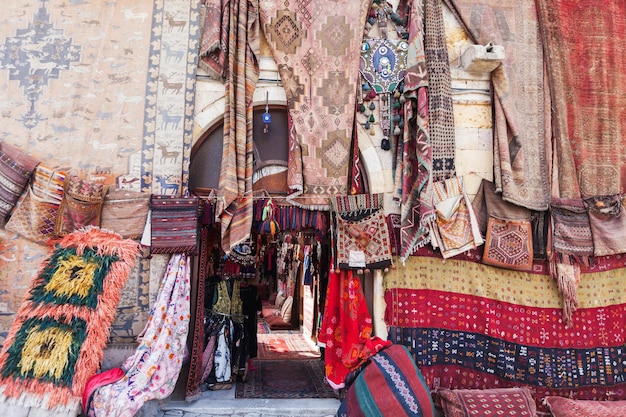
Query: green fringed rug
x=56, y=341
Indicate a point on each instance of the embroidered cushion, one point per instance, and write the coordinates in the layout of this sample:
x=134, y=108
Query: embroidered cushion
x=567, y=407
x=510, y=402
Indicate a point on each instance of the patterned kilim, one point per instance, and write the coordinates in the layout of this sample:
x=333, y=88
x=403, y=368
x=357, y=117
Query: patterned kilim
x=521, y=111
x=316, y=44
x=362, y=232
x=57, y=339
x=174, y=224
x=475, y=326
x=583, y=42
x=286, y=379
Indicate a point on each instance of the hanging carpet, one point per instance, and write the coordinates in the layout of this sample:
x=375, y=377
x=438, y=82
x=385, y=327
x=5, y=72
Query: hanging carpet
x=521, y=106
x=57, y=339
x=285, y=379
x=316, y=45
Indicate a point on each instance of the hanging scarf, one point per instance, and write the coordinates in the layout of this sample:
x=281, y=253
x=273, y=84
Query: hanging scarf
x=151, y=373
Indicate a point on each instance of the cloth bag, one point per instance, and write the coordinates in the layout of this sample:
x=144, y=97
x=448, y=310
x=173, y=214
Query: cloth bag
x=173, y=224
x=81, y=205
x=36, y=211
x=125, y=212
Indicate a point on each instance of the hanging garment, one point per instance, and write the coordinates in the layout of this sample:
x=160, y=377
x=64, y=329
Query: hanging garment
x=151, y=373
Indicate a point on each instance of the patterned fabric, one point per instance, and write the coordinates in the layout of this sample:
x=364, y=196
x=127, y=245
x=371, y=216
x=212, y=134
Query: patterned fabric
x=413, y=179
x=510, y=402
x=572, y=240
x=174, y=224
x=316, y=45
x=125, y=212
x=235, y=184
x=567, y=407
x=57, y=339
x=81, y=205
x=474, y=326
x=608, y=224
x=362, y=233
x=455, y=229
x=214, y=42
x=585, y=61
x=35, y=214
x=346, y=330
x=522, y=116
x=440, y=114
x=389, y=385
x=15, y=170
x=506, y=227
x=151, y=373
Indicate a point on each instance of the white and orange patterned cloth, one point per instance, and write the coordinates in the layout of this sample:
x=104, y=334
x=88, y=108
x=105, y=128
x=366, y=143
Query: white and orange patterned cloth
x=151, y=373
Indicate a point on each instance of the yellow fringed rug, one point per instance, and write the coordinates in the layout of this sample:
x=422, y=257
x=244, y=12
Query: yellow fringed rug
x=56, y=341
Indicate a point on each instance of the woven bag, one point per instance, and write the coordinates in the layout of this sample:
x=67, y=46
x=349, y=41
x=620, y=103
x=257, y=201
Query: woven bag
x=35, y=213
x=125, y=212
x=81, y=205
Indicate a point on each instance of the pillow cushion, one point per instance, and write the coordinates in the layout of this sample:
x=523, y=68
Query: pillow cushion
x=512, y=402
x=285, y=311
x=280, y=299
x=389, y=385
x=566, y=407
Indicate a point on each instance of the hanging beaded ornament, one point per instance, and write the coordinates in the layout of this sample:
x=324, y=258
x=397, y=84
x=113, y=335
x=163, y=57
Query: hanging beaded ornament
x=383, y=63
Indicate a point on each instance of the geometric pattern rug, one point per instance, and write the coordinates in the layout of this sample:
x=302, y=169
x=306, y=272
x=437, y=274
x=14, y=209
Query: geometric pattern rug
x=285, y=379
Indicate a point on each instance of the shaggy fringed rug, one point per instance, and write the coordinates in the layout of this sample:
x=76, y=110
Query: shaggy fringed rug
x=56, y=341
x=286, y=379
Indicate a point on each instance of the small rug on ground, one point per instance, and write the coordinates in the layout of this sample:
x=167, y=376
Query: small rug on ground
x=281, y=346
x=286, y=380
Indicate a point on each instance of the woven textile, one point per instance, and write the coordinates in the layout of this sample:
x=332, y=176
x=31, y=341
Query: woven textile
x=35, y=214
x=583, y=42
x=567, y=407
x=510, y=402
x=125, y=212
x=507, y=229
x=572, y=240
x=455, y=229
x=346, y=329
x=389, y=385
x=474, y=326
x=522, y=117
x=152, y=371
x=608, y=224
x=173, y=224
x=81, y=205
x=413, y=177
x=57, y=339
x=362, y=233
x=15, y=170
x=286, y=380
x=316, y=45
x=440, y=114
x=235, y=184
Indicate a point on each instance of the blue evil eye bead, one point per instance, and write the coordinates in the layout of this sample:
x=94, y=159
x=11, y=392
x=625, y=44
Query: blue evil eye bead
x=267, y=118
